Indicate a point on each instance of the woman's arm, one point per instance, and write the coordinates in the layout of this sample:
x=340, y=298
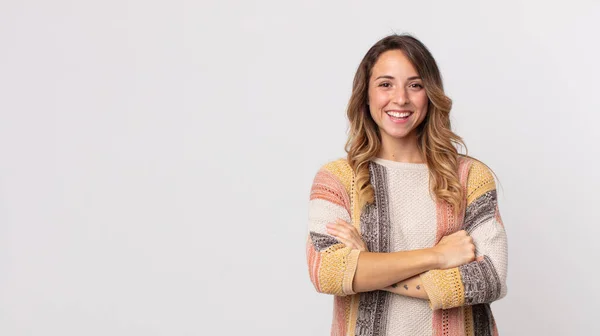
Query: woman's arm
x=380, y=270
x=331, y=264
x=412, y=287
x=483, y=280
x=480, y=281
x=452, y=250
x=339, y=269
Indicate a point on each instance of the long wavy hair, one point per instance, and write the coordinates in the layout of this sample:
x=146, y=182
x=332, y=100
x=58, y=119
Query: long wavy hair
x=436, y=140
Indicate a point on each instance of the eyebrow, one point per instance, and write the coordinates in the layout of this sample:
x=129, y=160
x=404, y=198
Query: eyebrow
x=392, y=77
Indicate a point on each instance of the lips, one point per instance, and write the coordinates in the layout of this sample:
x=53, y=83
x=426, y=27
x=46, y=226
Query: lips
x=399, y=114
x=399, y=117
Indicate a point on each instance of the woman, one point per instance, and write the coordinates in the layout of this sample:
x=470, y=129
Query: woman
x=405, y=232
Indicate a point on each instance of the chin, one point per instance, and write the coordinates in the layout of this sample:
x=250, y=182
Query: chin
x=398, y=135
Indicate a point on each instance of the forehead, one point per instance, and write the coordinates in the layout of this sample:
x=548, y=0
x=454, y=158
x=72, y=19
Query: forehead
x=393, y=63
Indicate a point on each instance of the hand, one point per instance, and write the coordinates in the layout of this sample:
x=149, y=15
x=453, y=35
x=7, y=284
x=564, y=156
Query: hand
x=455, y=250
x=347, y=234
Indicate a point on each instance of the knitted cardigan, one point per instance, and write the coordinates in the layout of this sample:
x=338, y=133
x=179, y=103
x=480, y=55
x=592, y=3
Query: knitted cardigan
x=460, y=297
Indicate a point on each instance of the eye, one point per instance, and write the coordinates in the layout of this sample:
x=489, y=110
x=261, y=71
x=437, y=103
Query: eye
x=385, y=84
x=416, y=85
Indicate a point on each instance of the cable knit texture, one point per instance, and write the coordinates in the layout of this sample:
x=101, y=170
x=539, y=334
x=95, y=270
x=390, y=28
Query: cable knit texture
x=405, y=217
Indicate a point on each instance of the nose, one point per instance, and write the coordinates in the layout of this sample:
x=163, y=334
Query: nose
x=400, y=96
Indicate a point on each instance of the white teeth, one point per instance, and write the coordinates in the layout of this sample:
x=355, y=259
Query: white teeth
x=398, y=114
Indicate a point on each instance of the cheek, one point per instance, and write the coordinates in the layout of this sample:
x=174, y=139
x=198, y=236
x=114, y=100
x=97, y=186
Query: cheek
x=422, y=100
x=377, y=100
x=373, y=113
x=425, y=106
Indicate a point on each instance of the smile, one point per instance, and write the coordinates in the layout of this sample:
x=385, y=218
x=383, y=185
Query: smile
x=399, y=114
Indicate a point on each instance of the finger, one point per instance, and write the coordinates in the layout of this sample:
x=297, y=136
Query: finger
x=357, y=237
x=341, y=221
x=347, y=239
x=333, y=227
x=338, y=233
x=345, y=224
x=339, y=225
x=341, y=228
x=347, y=243
x=353, y=229
x=348, y=226
x=349, y=232
x=332, y=231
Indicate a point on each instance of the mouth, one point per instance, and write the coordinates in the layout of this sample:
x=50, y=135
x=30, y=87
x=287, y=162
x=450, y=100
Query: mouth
x=399, y=116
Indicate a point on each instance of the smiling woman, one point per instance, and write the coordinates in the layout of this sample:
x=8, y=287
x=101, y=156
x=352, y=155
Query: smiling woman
x=405, y=232
x=395, y=83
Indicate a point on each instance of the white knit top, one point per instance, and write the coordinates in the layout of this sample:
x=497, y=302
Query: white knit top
x=413, y=226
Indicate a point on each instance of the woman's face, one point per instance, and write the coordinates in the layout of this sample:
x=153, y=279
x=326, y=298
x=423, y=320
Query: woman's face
x=397, y=100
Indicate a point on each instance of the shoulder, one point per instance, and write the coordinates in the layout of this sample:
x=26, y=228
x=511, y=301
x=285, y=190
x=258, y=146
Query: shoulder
x=480, y=178
x=339, y=167
x=337, y=171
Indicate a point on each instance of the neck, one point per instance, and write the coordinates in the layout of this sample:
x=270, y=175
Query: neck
x=400, y=150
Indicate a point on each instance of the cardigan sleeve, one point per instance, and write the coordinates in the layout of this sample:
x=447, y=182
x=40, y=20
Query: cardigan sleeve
x=331, y=264
x=483, y=280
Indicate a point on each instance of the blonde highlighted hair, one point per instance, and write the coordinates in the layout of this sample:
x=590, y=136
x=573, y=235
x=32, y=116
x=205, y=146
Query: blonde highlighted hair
x=436, y=140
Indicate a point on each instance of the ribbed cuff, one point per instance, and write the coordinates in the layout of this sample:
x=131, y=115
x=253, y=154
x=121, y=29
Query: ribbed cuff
x=351, y=263
x=444, y=288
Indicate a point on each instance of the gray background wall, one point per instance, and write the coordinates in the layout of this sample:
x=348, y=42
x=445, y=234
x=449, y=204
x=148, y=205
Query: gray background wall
x=156, y=157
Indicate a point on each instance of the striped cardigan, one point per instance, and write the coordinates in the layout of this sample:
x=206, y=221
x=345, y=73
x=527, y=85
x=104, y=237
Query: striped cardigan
x=460, y=297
